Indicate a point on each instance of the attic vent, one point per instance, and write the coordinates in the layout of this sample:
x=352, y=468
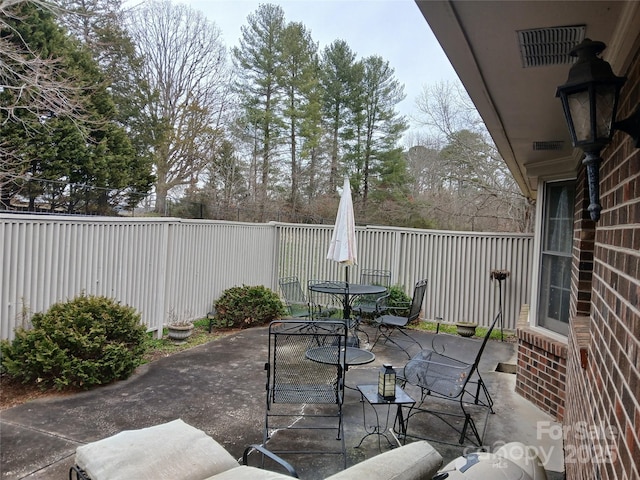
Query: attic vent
x=548, y=145
x=549, y=46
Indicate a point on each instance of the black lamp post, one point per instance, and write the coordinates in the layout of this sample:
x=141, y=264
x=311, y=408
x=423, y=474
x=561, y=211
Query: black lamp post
x=590, y=103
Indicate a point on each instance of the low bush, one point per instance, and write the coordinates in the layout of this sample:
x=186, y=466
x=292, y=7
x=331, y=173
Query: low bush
x=397, y=298
x=81, y=343
x=248, y=306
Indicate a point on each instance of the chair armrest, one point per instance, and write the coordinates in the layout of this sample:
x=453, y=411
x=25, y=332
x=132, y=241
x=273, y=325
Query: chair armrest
x=381, y=305
x=260, y=448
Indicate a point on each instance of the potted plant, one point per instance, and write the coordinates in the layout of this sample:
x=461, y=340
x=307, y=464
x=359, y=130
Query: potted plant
x=179, y=330
x=466, y=329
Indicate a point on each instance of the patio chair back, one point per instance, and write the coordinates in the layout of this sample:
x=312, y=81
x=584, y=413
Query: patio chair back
x=375, y=277
x=294, y=296
x=369, y=304
x=294, y=381
x=417, y=300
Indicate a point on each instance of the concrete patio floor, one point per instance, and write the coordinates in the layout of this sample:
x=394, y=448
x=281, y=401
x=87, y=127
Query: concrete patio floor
x=219, y=388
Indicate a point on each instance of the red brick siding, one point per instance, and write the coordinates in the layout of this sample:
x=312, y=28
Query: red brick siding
x=584, y=235
x=607, y=392
x=541, y=371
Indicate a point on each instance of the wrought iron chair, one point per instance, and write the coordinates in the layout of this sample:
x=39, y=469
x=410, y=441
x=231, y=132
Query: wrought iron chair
x=321, y=304
x=388, y=324
x=294, y=297
x=368, y=305
x=439, y=375
x=305, y=394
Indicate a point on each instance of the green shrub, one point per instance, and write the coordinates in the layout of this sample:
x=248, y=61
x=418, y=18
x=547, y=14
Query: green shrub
x=398, y=298
x=84, y=342
x=248, y=306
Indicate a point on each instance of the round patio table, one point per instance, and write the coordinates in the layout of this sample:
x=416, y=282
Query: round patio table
x=329, y=355
x=346, y=292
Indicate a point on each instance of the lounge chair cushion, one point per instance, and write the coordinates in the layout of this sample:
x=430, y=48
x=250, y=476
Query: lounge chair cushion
x=415, y=461
x=173, y=450
x=249, y=473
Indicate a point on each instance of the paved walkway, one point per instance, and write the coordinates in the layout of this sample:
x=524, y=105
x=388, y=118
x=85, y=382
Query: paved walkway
x=219, y=388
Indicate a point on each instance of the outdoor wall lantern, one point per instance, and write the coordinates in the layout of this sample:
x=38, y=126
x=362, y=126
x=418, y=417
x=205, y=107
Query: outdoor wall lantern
x=387, y=382
x=590, y=102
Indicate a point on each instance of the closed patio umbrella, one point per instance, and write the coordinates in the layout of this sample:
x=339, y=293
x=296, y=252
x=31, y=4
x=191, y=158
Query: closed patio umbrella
x=343, y=248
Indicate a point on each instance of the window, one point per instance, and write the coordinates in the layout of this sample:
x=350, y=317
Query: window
x=555, y=257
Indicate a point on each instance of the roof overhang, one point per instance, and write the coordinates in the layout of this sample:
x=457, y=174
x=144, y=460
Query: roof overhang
x=517, y=102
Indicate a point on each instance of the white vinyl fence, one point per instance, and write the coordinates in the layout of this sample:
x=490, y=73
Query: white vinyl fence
x=171, y=267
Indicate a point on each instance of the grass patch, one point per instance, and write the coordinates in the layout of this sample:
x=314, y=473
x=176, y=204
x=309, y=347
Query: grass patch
x=163, y=347
x=509, y=335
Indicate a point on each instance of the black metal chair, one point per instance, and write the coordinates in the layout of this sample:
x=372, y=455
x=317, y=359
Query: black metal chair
x=368, y=305
x=437, y=374
x=294, y=297
x=305, y=394
x=321, y=304
x=388, y=324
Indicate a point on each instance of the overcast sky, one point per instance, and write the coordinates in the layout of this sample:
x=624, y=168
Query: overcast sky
x=393, y=29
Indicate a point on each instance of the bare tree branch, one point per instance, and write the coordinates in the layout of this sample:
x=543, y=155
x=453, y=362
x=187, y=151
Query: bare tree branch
x=31, y=82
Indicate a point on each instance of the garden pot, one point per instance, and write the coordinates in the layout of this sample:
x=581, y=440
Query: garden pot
x=180, y=333
x=466, y=329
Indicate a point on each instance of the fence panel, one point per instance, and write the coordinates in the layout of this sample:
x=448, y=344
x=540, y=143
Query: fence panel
x=50, y=259
x=162, y=267
x=165, y=266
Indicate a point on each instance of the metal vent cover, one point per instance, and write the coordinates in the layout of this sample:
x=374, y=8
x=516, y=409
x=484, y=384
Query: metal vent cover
x=548, y=145
x=549, y=46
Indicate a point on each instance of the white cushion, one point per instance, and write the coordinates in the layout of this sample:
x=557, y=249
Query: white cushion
x=414, y=461
x=249, y=473
x=174, y=450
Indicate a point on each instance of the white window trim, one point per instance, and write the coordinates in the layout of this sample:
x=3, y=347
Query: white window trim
x=537, y=261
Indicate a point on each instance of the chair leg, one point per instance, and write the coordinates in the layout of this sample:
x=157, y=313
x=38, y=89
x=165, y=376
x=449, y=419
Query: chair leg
x=468, y=422
x=386, y=332
x=79, y=473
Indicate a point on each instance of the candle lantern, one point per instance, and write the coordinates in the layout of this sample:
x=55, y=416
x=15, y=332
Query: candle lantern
x=387, y=382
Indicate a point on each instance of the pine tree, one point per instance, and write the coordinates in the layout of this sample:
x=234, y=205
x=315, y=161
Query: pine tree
x=340, y=81
x=258, y=63
x=298, y=79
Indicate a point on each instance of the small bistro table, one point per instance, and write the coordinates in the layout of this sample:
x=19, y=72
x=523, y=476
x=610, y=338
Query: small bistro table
x=370, y=394
x=353, y=356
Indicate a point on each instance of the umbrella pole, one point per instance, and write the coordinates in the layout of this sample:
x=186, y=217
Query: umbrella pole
x=347, y=310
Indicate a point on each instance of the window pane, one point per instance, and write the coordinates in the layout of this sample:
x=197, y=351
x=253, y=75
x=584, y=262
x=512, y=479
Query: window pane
x=555, y=271
x=555, y=292
x=558, y=223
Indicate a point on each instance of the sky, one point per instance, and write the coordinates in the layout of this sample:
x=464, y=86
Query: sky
x=392, y=29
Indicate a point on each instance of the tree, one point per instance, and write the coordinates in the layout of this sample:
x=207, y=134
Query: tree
x=381, y=127
x=80, y=163
x=184, y=97
x=225, y=185
x=480, y=189
x=340, y=81
x=257, y=59
x=298, y=78
x=31, y=81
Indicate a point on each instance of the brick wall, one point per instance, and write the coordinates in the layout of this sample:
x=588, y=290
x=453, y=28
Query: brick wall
x=541, y=370
x=602, y=410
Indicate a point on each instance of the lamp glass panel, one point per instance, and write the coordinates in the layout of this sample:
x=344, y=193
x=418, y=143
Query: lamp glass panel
x=605, y=102
x=580, y=108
